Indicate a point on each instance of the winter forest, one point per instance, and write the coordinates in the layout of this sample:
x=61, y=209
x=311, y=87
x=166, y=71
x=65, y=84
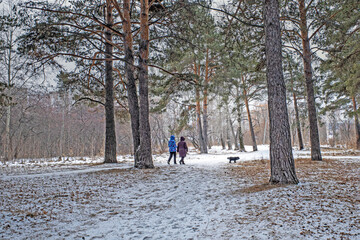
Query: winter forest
x=92, y=91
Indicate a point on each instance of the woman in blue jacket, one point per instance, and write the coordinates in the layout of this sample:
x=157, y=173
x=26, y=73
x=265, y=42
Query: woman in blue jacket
x=172, y=149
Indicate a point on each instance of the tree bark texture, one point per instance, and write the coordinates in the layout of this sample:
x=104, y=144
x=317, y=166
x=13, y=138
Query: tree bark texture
x=298, y=125
x=222, y=141
x=357, y=124
x=233, y=131
x=110, y=135
x=202, y=144
x=297, y=118
x=222, y=131
x=145, y=154
x=133, y=101
x=239, y=117
x=205, y=119
x=249, y=116
x=281, y=157
x=205, y=101
x=228, y=139
x=8, y=147
x=314, y=132
x=241, y=139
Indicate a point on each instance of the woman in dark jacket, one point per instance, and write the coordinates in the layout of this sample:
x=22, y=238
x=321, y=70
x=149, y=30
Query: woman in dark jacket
x=182, y=149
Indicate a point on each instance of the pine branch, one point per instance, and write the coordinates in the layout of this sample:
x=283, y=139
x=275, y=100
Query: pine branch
x=323, y=24
x=89, y=99
x=232, y=15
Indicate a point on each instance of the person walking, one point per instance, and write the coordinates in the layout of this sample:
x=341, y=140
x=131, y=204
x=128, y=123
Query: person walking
x=182, y=149
x=172, y=149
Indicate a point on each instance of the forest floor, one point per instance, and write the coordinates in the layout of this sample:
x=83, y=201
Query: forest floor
x=208, y=198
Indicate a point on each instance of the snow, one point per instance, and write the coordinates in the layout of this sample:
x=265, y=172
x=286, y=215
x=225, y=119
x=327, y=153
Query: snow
x=208, y=198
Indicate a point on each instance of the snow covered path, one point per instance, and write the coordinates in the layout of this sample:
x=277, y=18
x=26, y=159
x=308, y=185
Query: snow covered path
x=207, y=198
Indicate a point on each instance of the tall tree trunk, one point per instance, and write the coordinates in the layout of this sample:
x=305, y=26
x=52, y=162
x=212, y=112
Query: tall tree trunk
x=297, y=118
x=298, y=125
x=281, y=157
x=222, y=141
x=202, y=145
x=357, y=125
x=314, y=132
x=133, y=101
x=232, y=130
x=239, y=117
x=265, y=130
x=228, y=140
x=8, y=148
x=249, y=115
x=145, y=154
x=205, y=101
x=241, y=137
x=222, y=131
x=62, y=130
x=205, y=120
x=110, y=135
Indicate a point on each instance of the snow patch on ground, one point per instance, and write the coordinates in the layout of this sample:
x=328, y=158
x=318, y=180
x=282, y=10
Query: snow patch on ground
x=208, y=198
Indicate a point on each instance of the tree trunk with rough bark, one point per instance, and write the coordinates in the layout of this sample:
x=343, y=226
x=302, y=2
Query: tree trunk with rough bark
x=228, y=139
x=251, y=127
x=313, y=125
x=133, y=101
x=240, y=134
x=281, y=157
x=145, y=154
x=8, y=147
x=222, y=140
x=297, y=118
x=205, y=119
x=110, y=135
x=298, y=125
x=202, y=144
x=357, y=124
x=205, y=101
x=233, y=131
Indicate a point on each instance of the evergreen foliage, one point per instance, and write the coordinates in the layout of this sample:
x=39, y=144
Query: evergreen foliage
x=341, y=68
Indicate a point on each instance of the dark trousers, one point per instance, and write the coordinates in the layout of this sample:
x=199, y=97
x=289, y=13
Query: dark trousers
x=172, y=154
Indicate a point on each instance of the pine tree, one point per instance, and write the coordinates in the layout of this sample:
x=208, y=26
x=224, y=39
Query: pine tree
x=87, y=33
x=342, y=64
x=245, y=66
x=281, y=157
x=191, y=55
x=295, y=82
x=301, y=36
